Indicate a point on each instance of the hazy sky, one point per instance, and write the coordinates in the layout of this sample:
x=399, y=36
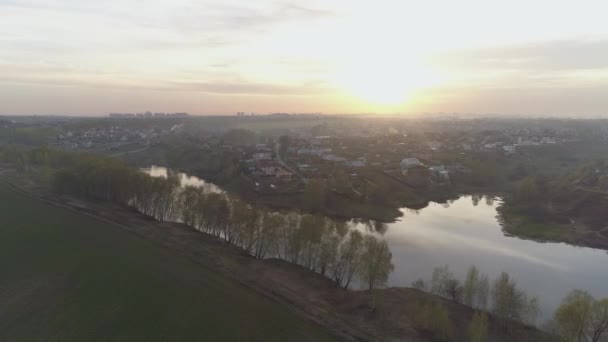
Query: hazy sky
x=541, y=57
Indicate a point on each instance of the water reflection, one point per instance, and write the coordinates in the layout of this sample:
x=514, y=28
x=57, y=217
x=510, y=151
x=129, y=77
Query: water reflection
x=184, y=179
x=466, y=232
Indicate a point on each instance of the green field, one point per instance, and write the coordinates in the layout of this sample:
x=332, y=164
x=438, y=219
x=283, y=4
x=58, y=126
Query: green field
x=68, y=277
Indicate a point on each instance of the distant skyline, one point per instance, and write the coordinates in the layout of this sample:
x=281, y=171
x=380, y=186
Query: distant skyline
x=539, y=58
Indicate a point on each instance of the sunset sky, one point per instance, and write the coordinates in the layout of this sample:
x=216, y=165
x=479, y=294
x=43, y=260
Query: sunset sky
x=542, y=57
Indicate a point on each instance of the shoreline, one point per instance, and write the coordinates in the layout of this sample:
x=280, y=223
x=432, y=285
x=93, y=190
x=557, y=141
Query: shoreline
x=517, y=225
x=391, y=214
x=512, y=225
x=345, y=313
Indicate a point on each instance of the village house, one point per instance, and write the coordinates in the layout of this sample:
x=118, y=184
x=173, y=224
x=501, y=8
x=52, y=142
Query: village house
x=266, y=167
x=509, y=149
x=410, y=165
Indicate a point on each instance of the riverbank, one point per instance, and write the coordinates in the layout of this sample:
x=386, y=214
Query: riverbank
x=385, y=208
x=346, y=313
x=69, y=276
x=335, y=205
x=572, y=231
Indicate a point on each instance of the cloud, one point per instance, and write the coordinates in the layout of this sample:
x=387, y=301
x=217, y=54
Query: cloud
x=568, y=64
x=229, y=84
x=539, y=57
x=290, y=47
x=246, y=88
x=60, y=29
x=221, y=19
x=185, y=14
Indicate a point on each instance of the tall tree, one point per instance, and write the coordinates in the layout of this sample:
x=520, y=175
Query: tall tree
x=509, y=303
x=470, y=287
x=580, y=318
x=376, y=265
x=328, y=251
x=483, y=290
x=349, y=258
x=376, y=262
x=312, y=229
x=271, y=225
x=285, y=248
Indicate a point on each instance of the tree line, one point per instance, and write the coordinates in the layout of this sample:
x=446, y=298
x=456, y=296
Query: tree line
x=330, y=247
x=579, y=318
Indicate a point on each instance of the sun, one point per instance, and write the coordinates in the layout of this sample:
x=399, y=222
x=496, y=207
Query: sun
x=378, y=87
x=385, y=81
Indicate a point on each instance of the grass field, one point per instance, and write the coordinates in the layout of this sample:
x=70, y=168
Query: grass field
x=68, y=277
x=520, y=225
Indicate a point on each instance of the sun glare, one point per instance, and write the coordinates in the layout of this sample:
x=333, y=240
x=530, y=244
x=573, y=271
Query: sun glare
x=385, y=81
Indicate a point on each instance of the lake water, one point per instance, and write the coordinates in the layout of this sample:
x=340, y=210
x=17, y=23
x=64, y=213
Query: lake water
x=467, y=232
x=184, y=179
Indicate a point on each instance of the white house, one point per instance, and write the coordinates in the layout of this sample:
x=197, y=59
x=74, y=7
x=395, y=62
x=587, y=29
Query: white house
x=509, y=148
x=356, y=163
x=409, y=162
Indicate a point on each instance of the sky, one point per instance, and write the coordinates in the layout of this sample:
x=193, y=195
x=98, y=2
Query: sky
x=74, y=57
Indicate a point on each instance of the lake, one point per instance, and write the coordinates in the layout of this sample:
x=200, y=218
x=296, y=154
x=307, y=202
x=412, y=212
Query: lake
x=466, y=232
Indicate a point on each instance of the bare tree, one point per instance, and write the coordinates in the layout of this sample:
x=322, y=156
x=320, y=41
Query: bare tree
x=444, y=283
x=598, y=327
x=419, y=284
x=453, y=290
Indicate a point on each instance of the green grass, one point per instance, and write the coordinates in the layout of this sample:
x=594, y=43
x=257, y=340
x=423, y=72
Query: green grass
x=68, y=277
x=540, y=231
x=519, y=225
